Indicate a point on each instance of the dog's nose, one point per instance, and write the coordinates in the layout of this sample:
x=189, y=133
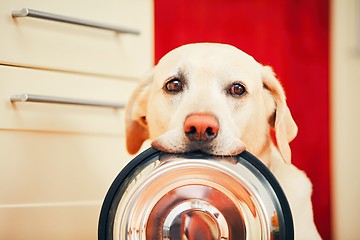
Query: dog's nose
x=201, y=127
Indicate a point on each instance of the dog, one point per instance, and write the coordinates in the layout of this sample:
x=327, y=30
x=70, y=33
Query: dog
x=217, y=99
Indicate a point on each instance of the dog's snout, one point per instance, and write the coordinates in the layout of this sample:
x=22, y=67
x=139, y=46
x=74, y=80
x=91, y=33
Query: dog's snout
x=201, y=127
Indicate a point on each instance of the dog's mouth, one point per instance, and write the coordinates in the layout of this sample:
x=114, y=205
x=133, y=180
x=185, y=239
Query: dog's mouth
x=179, y=144
x=191, y=147
x=201, y=147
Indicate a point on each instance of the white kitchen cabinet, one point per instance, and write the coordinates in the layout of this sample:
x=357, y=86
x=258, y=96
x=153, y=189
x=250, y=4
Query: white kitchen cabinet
x=57, y=161
x=52, y=185
x=47, y=44
x=62, y=117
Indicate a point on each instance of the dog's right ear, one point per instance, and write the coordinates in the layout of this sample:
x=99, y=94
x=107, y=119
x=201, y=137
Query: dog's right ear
x=284, y=125
x=135, y=116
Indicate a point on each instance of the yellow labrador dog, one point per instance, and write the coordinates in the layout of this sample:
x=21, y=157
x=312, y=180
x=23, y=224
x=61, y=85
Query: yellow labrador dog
x=217, y=99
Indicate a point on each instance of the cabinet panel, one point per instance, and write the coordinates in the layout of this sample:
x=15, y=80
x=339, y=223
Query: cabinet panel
x=60, y=117
x=52, y=185
x=54, y=45
x=55, y=223
x=46, y=167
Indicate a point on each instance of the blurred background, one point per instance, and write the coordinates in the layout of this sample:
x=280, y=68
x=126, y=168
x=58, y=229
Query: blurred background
x=314, y=47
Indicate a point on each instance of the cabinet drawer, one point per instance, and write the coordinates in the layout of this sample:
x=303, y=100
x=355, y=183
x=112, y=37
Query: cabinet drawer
x=52, y=185
x=54, y=45
x=58, y=168
x=55, y=223
x=62, y=117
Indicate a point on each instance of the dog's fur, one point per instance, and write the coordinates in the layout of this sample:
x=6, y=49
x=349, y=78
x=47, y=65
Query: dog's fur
x=258, y=120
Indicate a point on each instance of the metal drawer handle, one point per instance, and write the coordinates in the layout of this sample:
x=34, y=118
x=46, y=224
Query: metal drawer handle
x=26, y=12
x=60, y=100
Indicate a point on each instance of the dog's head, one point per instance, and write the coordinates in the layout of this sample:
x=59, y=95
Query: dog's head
x=210, y=97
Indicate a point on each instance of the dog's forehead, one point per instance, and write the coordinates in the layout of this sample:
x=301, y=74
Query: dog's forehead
x=208, y=56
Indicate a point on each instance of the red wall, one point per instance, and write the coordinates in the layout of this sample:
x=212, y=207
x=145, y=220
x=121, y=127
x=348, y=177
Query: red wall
x=291, y=36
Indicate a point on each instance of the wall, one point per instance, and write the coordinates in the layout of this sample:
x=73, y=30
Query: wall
x=346, y=118
x=291, y=36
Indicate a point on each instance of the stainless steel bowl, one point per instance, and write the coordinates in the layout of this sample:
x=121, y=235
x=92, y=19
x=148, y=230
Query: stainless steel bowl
x=194, y=196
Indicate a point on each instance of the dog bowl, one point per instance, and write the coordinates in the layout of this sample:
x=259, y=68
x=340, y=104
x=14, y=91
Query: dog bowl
x=194, y=196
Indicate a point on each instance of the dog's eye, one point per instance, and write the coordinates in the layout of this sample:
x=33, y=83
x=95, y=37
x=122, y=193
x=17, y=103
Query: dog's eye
x=174, y=85
x=237, y=90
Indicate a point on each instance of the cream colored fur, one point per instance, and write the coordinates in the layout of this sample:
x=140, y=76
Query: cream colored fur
x=207, y=70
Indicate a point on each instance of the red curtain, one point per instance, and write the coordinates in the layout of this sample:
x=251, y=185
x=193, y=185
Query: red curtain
x=292, y=37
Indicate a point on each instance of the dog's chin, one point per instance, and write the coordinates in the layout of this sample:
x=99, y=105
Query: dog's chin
x=172, y=142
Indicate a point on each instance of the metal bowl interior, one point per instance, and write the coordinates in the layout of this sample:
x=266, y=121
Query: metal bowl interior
x=195, y=196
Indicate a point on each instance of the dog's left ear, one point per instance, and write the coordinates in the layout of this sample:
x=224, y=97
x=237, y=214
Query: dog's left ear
x=284, y=125
x=135, y=116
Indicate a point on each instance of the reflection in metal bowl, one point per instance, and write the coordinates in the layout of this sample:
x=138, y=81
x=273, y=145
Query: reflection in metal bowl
x=195, y=196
